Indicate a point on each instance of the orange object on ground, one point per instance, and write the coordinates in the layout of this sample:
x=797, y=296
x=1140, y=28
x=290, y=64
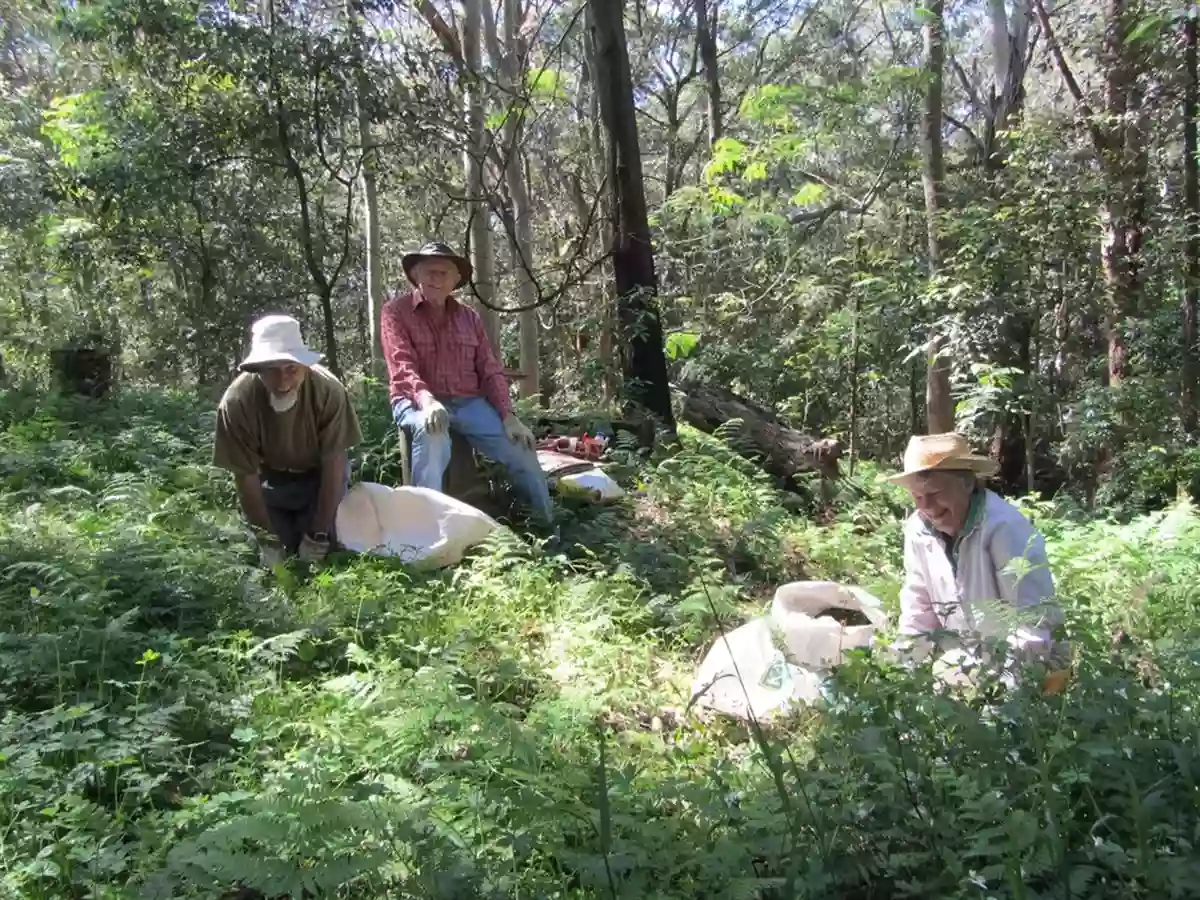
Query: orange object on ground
x=582, y=447
x=1055, y=682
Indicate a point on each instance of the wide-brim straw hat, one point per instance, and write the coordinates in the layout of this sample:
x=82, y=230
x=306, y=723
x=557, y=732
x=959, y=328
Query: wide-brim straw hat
x=277, y=339
x=942, y=453
x=437, y=250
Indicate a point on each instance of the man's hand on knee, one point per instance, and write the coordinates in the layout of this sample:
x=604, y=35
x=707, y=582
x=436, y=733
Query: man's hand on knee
x=517, y=432
x=436, y=419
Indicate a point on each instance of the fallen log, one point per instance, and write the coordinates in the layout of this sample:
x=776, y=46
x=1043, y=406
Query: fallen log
x=785, y=452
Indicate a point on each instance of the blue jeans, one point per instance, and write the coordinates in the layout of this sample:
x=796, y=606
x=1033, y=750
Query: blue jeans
x=476, y=420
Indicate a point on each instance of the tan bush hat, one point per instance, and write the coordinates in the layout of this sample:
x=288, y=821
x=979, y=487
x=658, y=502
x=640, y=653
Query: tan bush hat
x=942, y=453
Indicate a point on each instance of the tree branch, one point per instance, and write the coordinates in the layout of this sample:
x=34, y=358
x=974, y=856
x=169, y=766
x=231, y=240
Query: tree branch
x=1068, y=76
x=444, y=32
x=963, y=127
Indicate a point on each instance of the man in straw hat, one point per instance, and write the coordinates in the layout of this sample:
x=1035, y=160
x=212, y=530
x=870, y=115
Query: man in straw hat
x=958, y=546
x=444, y=374
x=284, y=428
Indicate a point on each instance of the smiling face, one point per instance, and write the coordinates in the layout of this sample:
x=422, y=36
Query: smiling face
x=943, y=499
x=437, y=278
x=283, y=381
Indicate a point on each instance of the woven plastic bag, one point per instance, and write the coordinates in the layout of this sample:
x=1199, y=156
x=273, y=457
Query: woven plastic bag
x=423, y=527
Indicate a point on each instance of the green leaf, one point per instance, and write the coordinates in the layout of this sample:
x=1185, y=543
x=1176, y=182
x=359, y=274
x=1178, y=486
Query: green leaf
x=727, y=155
x=547, y=84
x=756, y=171
x=725, y=199
x=808, y=195
x=680, y=344
x=1147, y=29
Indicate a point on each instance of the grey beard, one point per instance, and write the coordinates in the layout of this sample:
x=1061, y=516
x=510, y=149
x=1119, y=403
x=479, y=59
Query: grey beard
x=284, y=403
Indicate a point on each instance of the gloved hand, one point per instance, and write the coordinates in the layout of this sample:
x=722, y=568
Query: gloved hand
x=270, y=551
x=516, y=431
x=956, y=668
x=313, y=550
x=437, y=419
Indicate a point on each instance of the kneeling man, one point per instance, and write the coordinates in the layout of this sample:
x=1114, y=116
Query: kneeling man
x=444, y=374
x=973, y=564
x=283, y=428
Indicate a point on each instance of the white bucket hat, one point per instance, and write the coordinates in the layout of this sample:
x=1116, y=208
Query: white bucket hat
x=942, y=453
x=277, y=339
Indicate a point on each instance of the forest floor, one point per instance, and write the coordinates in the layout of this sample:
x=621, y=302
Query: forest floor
x=175, y=722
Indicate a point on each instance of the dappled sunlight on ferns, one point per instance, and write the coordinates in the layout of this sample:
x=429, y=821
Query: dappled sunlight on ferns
x=178, y=723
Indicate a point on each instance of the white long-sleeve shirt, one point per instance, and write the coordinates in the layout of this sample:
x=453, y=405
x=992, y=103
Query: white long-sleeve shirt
x=967, y=586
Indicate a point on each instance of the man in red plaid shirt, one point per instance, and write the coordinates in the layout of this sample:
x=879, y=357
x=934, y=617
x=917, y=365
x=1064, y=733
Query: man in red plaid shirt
x=443, y=374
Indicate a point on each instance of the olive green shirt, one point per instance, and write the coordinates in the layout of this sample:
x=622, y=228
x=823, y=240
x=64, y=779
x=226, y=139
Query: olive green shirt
x=252, y=436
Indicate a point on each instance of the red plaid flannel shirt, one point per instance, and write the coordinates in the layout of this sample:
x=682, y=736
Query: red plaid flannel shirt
x=452, y=359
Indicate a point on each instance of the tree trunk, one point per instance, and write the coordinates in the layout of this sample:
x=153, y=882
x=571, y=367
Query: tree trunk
x=520, y=238
x=854, y=364
x=370, y=205
x=939, y=404
x=482, y=256
x=785, y=452
x=522, y=246
x=645, y=363
x=1119, y=139
x=1010, y=48
x=598, y=158
x=1124, y=163
x=706, y=43
x=295, y=171
x=1010, y=42
x=1191, y=249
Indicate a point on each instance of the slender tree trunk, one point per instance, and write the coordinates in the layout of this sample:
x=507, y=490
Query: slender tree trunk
x=531, y=384
x=1010, y=40
x=482, y=256
x=645, y=363
x=511, y=63
x=312, y=257
x=1191, y=250
x=1124, y=163
x=939, y=404
x=673, y=171
x=854, y=363
x=1033, y=367
x=598, y=157
x=370, y=204
x=706, y=43
x=1010, y=46
x=1119, y=139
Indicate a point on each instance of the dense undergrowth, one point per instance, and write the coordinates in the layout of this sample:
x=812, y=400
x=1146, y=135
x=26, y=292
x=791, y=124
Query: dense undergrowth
x=177, y=723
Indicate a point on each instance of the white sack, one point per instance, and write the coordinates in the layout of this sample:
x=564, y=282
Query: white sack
x=784, y=657
x=816, y=641
x=762, y=684
x=418, y=525
x=570, y=475
x=594, y=483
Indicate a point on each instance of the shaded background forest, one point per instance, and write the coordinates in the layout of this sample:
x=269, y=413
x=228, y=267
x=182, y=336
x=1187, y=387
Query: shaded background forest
x=835, y=188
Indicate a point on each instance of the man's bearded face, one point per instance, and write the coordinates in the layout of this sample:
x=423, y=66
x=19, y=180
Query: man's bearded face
x=283, y=382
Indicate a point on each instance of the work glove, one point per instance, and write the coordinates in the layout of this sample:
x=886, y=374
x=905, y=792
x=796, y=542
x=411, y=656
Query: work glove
x=956, y=668
x=270, y=551
x=437, y=419
x=516, y=431
x=312, y=550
